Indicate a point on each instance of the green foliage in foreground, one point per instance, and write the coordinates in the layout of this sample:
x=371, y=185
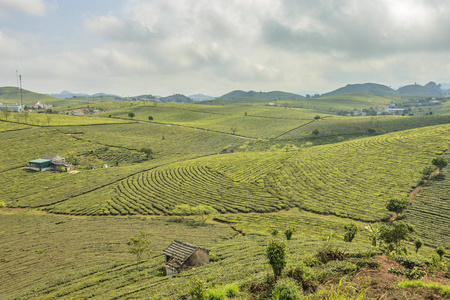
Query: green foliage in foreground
x=442, y=288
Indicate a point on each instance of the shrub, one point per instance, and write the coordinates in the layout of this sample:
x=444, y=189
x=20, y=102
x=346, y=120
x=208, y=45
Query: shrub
x=327, y=253
x=368, y=263
x=286, y=289
x=409, y=263
x=441, y=252
x=410, y=274
x=418, y=244
x=197, y=289
x=288, y=233
x=215, y=294
x=231, y=290
x=350, y=233
x=276, y=253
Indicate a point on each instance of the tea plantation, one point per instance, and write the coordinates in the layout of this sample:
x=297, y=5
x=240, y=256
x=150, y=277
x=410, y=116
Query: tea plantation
x=64, y=235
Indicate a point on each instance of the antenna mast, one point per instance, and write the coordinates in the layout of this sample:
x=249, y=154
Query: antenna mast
x=21, y=102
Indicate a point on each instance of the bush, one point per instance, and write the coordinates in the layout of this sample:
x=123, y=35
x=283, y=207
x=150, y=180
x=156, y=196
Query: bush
x=409, y=263
x=215, y=294
x=410, y=274
x=288, y=233
x=286, y=289
x=327, y=253
x=350, y=233
x=276, y=253
x=197, y=289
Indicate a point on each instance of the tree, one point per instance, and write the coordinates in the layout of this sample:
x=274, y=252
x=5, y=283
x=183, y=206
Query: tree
x=6, y=113
x=371, y=131
x=396, y=232
x=150, y=118
x=418, y=244
x=148, y=152
x=25, y=115
x=140, y=246
x=131, y=115
x=288, y=233
x=441, y=252
x=48, y=118
x=374, y=232
x=440, y=162
x=397, y=205
x=276, y=253
x=350, y=233
x=315, y=131
x=316, y=117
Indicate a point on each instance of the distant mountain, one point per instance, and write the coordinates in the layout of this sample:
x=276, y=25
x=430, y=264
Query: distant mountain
x=179, y=98
x=418, y=90
x=274, y=95
x=367, y=88
x=201, y=97
x=66, y=94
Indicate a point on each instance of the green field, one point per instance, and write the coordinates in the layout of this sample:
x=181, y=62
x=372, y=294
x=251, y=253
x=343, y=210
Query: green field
x=431, y=210
x=63, y=235
x=363, y=125
x=250, y=121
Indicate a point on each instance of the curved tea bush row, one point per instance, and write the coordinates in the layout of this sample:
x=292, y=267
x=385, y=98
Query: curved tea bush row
x=159, y=190
x=430, y=211
x=361, y=125
x=355, y=179
x=352, y=179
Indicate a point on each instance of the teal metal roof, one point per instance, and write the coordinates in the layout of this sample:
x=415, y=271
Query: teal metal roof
x=39, y=161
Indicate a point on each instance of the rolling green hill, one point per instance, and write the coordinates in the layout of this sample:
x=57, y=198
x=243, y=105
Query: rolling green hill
x=367, y=88
x=178, y=98
x=64, y=235
x=11, y=95
x=274, y=95
x=418, y=90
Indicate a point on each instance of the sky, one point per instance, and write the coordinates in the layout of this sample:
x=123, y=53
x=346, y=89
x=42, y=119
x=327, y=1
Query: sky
x=163, y=47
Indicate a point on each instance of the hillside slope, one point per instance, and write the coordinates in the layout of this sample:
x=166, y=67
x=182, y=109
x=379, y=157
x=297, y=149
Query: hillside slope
x=369, y=88
x=11, y=95
x=274, y=95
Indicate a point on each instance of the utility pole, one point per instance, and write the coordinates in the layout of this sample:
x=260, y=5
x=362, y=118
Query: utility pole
x=21, y=102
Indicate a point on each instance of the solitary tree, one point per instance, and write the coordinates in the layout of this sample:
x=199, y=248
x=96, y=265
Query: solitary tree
x=140, y=246
x=418, y=244
x=148, y=152
x=350, y=233
x=316, y=117
x=440, y=251
x=150, y=118
x=397, y=205
x=131, y=115
x=276, y=253
x=440, y=162
x=6, y=113
x=25, y=115
x=396, y=232
x=315, y=131
x=288, y=233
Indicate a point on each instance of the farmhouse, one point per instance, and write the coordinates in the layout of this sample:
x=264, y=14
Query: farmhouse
x=49, y=162
x=181, y=255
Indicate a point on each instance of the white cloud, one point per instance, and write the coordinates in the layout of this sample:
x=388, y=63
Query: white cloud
x=32, y=7
x=10, y=47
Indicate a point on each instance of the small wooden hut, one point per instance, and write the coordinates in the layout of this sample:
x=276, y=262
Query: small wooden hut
x=181, y=255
